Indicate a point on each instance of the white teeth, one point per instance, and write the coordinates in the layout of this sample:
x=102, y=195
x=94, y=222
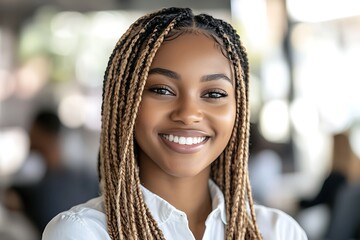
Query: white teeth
x=184, y=140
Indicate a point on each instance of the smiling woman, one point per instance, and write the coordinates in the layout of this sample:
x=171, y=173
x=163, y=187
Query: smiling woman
x=184, y=102
x=174, y=139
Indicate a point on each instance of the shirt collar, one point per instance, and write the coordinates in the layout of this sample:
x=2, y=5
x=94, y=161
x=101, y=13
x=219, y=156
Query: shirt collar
x=218, y=201
x=162, y=210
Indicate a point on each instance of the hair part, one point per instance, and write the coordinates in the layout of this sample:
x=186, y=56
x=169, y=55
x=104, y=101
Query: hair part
x=127, y=215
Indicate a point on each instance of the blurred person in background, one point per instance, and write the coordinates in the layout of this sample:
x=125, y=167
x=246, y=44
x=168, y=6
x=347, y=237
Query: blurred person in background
x=331, y=193
x=60, y=187
x=337, y=176
x=345, y=223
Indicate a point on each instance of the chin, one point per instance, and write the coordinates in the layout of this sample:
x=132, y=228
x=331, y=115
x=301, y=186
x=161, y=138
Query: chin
x=185, y=172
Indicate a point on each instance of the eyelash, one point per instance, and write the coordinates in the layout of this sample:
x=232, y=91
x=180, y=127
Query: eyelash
x=211, y=94
x=162, y=90
x=219, y=94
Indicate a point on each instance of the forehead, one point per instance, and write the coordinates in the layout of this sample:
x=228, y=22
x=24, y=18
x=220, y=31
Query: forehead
x=191, y=49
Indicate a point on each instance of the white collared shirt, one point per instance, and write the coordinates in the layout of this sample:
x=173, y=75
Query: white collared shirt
x=174, y=222
x=88, y=221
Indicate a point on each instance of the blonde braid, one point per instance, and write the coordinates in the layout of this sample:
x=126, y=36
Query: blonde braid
x=143, y=225
x=237, y=188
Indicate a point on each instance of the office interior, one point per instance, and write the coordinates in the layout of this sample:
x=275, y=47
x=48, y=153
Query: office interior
x=304, y=90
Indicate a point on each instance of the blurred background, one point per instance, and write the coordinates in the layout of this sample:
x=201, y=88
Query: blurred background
x=305, y=111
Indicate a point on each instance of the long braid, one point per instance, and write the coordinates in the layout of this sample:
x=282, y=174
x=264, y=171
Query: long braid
x=127, y=215
x=118, y=160
x=240, y=188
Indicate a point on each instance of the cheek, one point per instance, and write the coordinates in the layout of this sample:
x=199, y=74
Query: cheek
x=225, y=119
x=148, y=118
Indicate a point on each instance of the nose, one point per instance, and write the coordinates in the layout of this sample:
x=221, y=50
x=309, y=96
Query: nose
x=188, y=111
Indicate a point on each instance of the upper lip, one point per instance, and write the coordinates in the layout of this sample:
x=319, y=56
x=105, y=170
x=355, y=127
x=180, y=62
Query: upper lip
x=186, y=133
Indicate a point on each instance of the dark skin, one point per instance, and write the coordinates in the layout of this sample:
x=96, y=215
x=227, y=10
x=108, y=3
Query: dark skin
x=189, y=94
x=190, y=195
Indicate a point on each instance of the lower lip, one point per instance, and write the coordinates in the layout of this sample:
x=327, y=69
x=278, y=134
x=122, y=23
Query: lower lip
x=183, y=148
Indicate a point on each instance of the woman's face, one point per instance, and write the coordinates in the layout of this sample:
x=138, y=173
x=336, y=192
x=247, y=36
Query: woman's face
x=188, y=107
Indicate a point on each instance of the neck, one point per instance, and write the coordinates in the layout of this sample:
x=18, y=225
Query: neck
x=188, y=194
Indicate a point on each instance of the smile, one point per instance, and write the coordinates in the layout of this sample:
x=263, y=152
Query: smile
x=183, y=140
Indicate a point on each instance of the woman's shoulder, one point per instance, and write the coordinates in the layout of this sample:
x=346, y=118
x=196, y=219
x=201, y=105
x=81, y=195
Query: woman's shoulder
x=84, y=221
x=276, y=224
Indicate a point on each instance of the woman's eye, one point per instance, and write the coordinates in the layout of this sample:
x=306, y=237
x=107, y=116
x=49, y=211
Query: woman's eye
x=162, y=91
x=215, y=94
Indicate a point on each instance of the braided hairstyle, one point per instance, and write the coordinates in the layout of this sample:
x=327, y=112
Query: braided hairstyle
x=127, y=214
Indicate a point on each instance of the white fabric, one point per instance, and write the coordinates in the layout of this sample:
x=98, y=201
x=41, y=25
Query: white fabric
x=88, y=221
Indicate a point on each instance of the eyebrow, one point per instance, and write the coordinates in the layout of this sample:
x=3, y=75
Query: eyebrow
x=174, y=75
x=165, y=72
x=217, y=76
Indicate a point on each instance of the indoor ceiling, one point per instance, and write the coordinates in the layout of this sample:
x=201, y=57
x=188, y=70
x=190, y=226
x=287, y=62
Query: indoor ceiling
x=18, y=6
x=15, y=11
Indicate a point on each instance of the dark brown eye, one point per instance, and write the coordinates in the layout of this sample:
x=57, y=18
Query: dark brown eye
x=162, y=90
x=215, y=94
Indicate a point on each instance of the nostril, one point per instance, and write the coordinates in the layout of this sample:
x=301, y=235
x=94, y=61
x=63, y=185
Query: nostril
x=187, y=111
x=187, y=117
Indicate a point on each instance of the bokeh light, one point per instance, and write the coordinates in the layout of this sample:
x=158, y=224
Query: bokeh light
x=66, y=28
x=255, y=25
x=7, y=84
x=78, y=110
x=274, y=121
x=322, y=10
x=355, y=139
x=14, y=147
x=275, y=77
x=304, y=116
x=32, y=77
x=255, y=98
x=71, y=110
x=93, y=113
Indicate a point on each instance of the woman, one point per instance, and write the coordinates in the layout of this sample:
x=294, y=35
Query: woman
x=174, y=139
